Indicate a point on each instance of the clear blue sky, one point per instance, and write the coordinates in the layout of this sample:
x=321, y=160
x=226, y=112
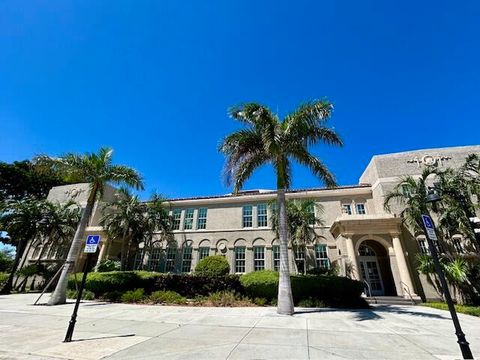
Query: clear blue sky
x=154, y=79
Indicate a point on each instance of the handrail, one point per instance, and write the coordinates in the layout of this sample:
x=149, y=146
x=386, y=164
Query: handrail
x=407, y=289
x=369, y=291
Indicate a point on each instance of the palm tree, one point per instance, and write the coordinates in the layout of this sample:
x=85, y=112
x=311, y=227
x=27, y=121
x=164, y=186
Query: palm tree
x=20, y=219
x=134, y=221
x=412, y=194
x=98, y=170
x=56, y=227
x=121, y=219
x=266, y=139
x=301, y=219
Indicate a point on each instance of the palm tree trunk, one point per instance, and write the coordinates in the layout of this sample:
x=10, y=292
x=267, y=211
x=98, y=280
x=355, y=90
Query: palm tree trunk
x=285, y=298
x=122, y=255
x=7, y=288
x=59, y=295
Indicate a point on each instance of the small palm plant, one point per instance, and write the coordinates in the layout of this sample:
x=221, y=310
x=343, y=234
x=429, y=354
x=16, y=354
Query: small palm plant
x=20, y=220
x=98, y=170
x=267, y=139
x=302, y=217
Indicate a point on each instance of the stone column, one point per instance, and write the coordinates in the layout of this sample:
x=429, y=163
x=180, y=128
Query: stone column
x=101, y=255
x=248, y=259
x=352, y=257
x=268, y=257
x=231, y=257
x=402, y=265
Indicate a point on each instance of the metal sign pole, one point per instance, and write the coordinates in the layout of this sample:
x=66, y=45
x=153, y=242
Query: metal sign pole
x=91, y=245
x=430, y=234
x=73, y=319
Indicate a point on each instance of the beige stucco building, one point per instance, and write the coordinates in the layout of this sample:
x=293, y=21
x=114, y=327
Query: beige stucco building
x=358, y=236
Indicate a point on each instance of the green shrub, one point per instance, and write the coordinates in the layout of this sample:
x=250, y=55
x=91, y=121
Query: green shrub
x=101, y=283
x=167, y=297
x=86, y=295
x=261, y=284
x=108, y=265
x=317, y=291
x=3, y=278
x=216, y=265
x=311, y=303
x=112, y=296
x=224, y=298
x=105, y=285
x=133, y=296
x=260, y=301
x=6, y=260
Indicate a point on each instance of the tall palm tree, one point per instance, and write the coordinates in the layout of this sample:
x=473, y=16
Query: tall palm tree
x=20, y=219
x=267, y=139
x=98, y=170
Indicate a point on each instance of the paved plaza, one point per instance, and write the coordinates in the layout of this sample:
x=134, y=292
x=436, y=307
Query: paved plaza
x=121, y=331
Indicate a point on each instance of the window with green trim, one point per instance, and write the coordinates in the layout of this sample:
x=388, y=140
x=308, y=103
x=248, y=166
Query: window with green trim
x=247, y=216
x=262, y=220
x=188, y=221
x=321, y=256
x=202, y=218
x=176, y=216
x=170, y=260
x=154, y=259
x=239, y=259
x=258, y=258
x=276, y=257
x=187, y=259
x=203, y=252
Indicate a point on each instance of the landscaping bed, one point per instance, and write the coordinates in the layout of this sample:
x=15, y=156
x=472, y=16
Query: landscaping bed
x=464, y=309
x=253, y=289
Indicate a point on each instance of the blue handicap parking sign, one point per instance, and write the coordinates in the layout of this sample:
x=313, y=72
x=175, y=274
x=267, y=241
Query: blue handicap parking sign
x=427, y=220
x=93, y=239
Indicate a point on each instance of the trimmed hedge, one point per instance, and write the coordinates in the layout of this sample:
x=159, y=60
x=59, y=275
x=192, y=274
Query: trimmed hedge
x=332, y=291
x=110, y=284
x=215, y=265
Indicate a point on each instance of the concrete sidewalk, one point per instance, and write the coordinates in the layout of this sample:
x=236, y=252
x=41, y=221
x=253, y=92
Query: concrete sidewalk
x=121, y=331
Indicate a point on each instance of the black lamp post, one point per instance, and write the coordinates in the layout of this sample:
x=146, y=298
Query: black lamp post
x=433, y=197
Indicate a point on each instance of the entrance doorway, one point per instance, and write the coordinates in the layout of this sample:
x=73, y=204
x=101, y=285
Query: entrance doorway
x=370, y=269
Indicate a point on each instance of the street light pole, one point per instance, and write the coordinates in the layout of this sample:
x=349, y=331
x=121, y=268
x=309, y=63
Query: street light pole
x=430, y=234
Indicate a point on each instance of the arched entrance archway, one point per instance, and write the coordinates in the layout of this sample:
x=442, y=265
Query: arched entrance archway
x=375, y=268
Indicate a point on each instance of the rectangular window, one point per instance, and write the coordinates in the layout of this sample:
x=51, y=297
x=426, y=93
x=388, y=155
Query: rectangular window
x=154, y=259
x=187, y=259
x=239, y=259
x=361, y=209
x=203, y=252
x=138, y=262
x=170, y=261
x=262, y=220
x=177, y=214
x=188, y=221
x=258, y=258
x=51, y=252
x=423, y=246
x=457, y=244
x=202, y=218
x=62, y=252
x=311, y=217
x=36, y=252
x=321, y=256
x=347, y=209
x=276, y=257
x=247, y=216
x=300, y=259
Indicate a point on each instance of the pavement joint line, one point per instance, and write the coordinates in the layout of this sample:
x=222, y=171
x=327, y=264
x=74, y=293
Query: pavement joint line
x=308, y=339
x=248, y=332
x=328, y=351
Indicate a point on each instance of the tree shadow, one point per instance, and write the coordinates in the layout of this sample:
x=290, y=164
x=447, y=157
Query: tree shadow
x=374, y=313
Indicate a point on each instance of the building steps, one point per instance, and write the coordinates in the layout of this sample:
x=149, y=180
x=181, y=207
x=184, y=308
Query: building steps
x=388, y=300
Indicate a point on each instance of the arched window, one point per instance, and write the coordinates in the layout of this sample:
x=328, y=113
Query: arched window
x=365, y=250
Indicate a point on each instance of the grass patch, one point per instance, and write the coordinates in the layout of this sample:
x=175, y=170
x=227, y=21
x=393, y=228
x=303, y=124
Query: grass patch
x=464, y=309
